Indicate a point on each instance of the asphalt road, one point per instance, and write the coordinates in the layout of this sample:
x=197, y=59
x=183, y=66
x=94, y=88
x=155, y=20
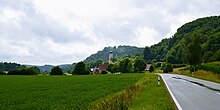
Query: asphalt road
x=193, y=94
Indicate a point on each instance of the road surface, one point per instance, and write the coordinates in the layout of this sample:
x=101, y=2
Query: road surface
x=192, y=94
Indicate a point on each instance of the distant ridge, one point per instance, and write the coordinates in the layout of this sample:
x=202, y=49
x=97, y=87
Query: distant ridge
x=119, y=51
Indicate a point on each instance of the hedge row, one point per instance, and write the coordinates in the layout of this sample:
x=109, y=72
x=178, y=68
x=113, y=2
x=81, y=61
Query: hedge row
x=25, y=71
x=212, y=68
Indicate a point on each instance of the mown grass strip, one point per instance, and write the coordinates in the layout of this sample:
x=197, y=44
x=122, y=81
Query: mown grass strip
x=121, y=100
x=153, y=97
x=143, y=95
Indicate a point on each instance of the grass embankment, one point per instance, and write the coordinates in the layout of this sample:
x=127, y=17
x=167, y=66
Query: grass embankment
x=209, y=71
x=201, y=74
x=153, y=97
x=60, y=92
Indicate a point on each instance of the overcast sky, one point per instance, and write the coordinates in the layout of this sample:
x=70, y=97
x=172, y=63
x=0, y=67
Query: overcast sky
x=66, y=31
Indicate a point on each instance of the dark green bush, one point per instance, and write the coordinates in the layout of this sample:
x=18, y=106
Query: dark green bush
x=178, y=65
x=212, y=68
x=56, y=71
x=2, y=73
x=167, y=68
x=23, y=71
x=104, y=72
x=193, y=68
x=151, y=68
x=81, y=69
x=158, y=65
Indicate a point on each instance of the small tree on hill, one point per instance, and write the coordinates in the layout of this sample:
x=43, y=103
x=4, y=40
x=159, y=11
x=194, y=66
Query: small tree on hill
x=56, y=71
x=81, y=69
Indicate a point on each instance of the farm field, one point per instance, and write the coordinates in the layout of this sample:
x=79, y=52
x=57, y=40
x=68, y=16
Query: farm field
x=60, y=92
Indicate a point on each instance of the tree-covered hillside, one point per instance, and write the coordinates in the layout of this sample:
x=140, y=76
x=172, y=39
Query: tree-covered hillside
x=5, y=66
x=117, y=51
x=171, y=50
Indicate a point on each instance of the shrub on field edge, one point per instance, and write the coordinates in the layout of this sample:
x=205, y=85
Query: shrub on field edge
x=56, y=71
x=193, y=68
x=151, y=68
x=2, y=73
x=81, y=69
x=167, y=68
x=23, y=71
x=179, y=65
x=104, y=72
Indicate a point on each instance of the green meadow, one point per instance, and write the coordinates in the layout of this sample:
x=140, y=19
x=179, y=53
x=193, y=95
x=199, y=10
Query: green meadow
x=60, y=92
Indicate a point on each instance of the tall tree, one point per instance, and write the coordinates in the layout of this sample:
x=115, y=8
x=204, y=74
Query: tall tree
x=139, y=65
x=192, y=49
x=110, y=67
x=56, y=71
x=81, y=69
x=148, y=56
x=124, y=65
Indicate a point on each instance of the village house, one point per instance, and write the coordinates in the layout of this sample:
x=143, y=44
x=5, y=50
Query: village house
x=147, y=67
x=102, y=67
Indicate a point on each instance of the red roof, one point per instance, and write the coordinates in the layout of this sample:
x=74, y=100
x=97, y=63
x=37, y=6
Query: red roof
x=103, y=66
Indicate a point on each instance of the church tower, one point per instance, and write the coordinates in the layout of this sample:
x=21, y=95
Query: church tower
x=110, y=58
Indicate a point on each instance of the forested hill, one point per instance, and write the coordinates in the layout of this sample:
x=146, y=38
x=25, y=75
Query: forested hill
x=117, y=51
x=170, y=49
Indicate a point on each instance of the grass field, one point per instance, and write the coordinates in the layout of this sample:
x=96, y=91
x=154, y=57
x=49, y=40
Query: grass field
x=153, y=97
x=60, y=92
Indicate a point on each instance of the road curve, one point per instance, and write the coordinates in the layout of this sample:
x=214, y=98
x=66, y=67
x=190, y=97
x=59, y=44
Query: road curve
x=191, y=93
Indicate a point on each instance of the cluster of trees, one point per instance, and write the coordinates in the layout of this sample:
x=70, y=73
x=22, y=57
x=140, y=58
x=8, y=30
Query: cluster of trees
x=80, y=68
x=25, y=71
x=127, y=65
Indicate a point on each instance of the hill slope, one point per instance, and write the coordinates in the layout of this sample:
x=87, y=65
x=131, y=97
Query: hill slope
x=170, y=49
x=117, y=51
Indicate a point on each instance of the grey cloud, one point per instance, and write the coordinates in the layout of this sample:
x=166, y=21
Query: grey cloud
x=114, y=30
x=37, y=24
x=33, y=29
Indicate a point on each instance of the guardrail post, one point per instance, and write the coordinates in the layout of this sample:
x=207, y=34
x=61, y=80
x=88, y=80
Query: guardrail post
x=158, y=80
